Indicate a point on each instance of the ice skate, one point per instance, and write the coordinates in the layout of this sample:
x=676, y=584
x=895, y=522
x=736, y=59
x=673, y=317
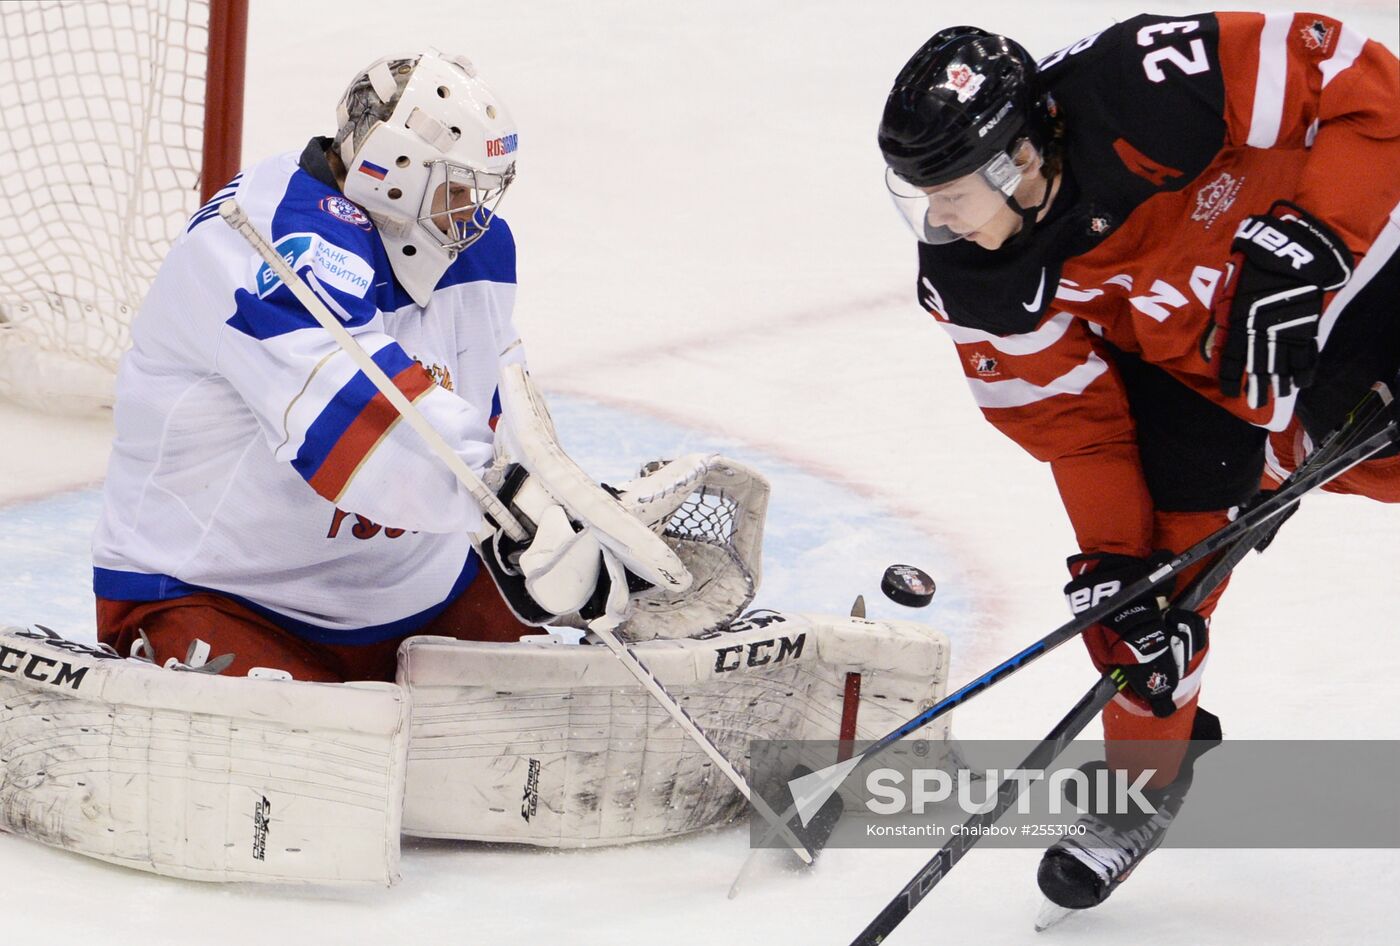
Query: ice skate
x=1082, y=869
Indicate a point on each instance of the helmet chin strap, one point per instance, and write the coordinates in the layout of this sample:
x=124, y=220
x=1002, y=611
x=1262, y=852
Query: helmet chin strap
x=1028, y=215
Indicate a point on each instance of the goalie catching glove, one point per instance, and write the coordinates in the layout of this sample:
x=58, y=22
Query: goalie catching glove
x=1148, y=648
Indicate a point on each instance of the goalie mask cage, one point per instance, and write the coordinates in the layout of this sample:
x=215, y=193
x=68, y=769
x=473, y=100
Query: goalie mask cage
x=120, y=118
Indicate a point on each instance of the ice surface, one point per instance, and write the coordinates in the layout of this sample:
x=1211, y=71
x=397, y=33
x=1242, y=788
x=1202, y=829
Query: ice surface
x=708, y=261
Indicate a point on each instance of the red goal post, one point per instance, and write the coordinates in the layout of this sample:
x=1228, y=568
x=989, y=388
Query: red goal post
x=122, y=117
x=223, y=95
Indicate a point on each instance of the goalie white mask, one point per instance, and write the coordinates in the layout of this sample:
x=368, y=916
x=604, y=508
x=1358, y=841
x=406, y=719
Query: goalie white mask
x=428, y=152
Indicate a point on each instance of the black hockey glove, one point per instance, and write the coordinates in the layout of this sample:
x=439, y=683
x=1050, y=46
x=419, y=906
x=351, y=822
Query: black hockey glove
x=1267, y=310
x=1154, y=643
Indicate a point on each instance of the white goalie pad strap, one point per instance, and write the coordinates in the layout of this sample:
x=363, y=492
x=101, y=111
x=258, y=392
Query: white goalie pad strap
x=527, y=433
x=558, y=746
x=195, y=775
x=715, y=525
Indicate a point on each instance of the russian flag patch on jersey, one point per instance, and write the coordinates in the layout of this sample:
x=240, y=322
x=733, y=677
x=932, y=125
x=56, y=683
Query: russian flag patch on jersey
x=373, y=170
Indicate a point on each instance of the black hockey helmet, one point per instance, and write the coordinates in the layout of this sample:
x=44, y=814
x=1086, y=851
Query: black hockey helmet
x=966, y=96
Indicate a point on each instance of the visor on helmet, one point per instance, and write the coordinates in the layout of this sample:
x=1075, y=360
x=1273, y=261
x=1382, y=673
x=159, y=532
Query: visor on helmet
x=954, y=210
x=459, y=202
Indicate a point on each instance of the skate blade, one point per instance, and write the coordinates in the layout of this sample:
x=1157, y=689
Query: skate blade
x=1050, y=914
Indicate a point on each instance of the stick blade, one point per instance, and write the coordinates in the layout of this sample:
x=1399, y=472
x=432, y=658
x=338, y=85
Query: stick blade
x=811, y=791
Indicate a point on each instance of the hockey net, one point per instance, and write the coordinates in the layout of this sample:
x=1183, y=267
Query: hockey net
x=118, y=115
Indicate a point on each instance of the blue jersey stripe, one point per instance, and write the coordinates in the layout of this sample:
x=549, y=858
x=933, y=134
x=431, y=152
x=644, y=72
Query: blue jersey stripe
x=279, y=314
x=115, y=585
x=211, y=209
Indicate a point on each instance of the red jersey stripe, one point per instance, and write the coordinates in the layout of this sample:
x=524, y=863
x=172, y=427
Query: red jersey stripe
x=365, y=434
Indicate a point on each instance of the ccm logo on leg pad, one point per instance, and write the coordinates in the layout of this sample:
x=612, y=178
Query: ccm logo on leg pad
x=40, y=668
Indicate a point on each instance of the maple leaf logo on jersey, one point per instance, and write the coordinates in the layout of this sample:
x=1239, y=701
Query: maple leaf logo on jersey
x=1215, y=198
x=983, y=364
x=1316, y=35
x=962, y=80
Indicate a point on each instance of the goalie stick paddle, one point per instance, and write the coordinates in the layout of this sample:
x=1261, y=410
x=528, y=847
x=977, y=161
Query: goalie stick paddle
x=1046, y=752
x=1368, y=429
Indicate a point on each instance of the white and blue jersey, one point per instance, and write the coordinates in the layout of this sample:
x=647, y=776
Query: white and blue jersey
x=253, y=459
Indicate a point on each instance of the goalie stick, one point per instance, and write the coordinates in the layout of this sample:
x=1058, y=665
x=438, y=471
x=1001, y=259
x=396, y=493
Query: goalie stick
x=1368, y=429
x=820, y=826
x=237, y=219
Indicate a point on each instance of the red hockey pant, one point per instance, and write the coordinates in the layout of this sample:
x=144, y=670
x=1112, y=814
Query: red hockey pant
x=478, y=614
x=1136, y=739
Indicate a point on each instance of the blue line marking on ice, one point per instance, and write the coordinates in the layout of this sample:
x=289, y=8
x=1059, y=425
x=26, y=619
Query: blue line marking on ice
x=823, y=544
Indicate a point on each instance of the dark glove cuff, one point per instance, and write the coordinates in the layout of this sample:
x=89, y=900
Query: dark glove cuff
x=511, y=584
x=1152, y=683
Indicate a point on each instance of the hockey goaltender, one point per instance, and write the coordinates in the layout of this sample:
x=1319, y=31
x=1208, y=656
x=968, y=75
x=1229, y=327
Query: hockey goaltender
x=301, y=657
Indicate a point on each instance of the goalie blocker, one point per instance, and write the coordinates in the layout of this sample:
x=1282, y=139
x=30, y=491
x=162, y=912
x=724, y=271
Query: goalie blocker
x=580, y=541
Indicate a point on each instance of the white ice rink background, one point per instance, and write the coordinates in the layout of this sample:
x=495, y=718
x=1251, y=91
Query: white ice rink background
x=708, y=261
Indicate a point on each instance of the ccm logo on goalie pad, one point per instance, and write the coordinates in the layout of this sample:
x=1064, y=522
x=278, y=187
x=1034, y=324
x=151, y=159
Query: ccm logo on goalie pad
x=1257, y=231
x=38, y=667
x=760, y=653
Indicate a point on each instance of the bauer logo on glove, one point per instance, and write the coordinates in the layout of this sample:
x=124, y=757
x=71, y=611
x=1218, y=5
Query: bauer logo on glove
x=1265, y=336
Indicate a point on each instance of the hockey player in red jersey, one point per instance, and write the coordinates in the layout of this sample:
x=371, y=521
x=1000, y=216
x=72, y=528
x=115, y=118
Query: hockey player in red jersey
x=1163, y=252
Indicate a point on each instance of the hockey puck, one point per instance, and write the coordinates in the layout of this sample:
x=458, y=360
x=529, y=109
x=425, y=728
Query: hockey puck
x=907, y=585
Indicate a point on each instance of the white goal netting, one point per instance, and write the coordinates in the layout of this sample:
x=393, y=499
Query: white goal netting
x=100, y=159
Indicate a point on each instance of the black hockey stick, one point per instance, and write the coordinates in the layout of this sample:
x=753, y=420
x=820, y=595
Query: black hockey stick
x=1089, y=706
x=1049, y=749
x=1368, y=429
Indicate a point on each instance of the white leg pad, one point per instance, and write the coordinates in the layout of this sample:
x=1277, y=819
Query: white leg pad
x=559, y=746
x=199, y=776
